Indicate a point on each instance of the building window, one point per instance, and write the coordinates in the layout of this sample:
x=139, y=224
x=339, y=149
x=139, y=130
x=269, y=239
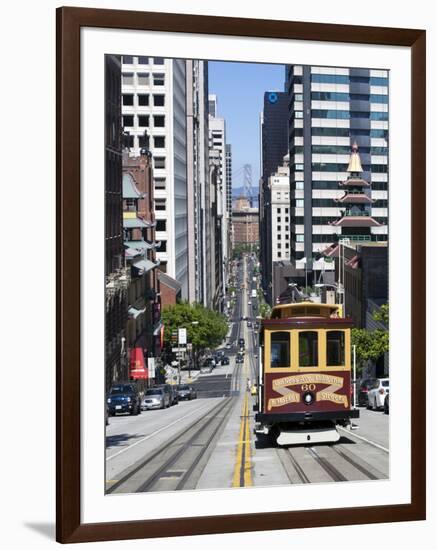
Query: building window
x=278, y=210
x=163, y=247
x=143, y=140
x=279, y=245
x=143, y=60
x=279, y=254
x=287, y=228
x=279, y=236
x=128, y=120
x=128, y=99
x=286, y=219
x=143, y=79
x=160, y=204
x=159, y=142
x=298, y=114
x=158, y=79
x=308, y=349
x=287, y=245
x=287, y=237
x=163, y=267
x=143, y=120
x=127, y=79
x=286, y=211
x=161, y=225
x=159, y=121
x=128, y=59
x=299, y=238
x=160, y=184
x=143, y=100
x=278, y=219
x=299, y=185
x=298, y=168
x=158, y=61
x=299, y=203
x=278, y=228
x=158, y=100
x=159, y=162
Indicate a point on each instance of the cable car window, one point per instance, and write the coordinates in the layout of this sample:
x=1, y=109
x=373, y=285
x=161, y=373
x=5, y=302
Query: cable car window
x=280, y=349
x=335, y=348
x=308, y=349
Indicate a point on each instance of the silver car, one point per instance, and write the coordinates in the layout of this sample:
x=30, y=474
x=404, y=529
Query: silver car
x=155, y=398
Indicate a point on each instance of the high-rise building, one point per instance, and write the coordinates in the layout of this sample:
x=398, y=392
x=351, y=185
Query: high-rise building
x=197, y=178
x=279, y=185
x=274, y=146
x=331, y=109
x=217, y=142
x=229, y=192
x=154, y=115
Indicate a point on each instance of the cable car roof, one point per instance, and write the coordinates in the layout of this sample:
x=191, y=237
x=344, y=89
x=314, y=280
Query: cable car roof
x=306, y=309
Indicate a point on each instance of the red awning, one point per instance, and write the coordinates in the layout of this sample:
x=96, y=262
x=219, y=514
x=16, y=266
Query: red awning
x=138, y=369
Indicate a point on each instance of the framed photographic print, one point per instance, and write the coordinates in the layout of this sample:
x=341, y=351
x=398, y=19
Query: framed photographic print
x=241, y=275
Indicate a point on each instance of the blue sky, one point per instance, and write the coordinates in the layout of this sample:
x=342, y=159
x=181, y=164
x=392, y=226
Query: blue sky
x=240, y=91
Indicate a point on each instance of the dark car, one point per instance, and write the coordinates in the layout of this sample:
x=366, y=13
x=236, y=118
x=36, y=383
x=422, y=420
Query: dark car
x=186, y=392
x=225, y=360
x=239, y=359
x=241, y=342
x=124, y=398
x=363, y=390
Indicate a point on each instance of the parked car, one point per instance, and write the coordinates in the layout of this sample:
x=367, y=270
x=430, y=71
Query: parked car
x=249, y=324
x=228, y=345
x=172, y=395
x=124, y=398
x=225, y=360
x=387, y=404
x=377, y=393
x=186, y=392
x=363, y=388
x=155, y=398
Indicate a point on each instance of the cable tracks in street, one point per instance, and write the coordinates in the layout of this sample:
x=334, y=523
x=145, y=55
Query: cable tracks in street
x=173, y=466
x=324, y=463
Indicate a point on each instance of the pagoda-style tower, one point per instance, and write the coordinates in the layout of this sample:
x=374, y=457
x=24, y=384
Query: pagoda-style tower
x=356, y=218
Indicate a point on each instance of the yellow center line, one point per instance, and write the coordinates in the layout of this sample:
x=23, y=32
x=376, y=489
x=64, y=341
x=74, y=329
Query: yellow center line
x=242, y=472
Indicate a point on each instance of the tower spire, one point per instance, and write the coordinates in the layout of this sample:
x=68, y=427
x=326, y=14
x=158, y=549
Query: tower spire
x=355, y=161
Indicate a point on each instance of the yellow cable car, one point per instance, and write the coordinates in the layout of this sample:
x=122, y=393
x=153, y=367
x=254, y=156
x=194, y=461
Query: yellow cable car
x=304, y=386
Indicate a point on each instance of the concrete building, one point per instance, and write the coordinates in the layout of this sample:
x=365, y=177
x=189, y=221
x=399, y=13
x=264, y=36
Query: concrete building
x=217, y=142
x=229, y=193
x=332, y=108
x=198, y=180
x=154, y=115
x=245, y=223
x=116, y=275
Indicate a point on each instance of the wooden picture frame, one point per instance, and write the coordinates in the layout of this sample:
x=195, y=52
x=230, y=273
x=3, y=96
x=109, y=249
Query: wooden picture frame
x=68, y=522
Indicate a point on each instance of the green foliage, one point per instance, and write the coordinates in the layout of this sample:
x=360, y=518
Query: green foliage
x=370, y=344
x=382, y=314
x=208, y=332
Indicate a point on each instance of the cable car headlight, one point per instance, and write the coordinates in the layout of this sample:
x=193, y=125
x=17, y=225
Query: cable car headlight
x=308, y=398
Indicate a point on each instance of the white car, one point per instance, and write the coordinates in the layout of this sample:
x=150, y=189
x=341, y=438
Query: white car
x=378, y=391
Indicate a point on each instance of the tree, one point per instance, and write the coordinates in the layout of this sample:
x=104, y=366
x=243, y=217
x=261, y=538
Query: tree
x=370, y=344
x=205, y=328
x=382, y=314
